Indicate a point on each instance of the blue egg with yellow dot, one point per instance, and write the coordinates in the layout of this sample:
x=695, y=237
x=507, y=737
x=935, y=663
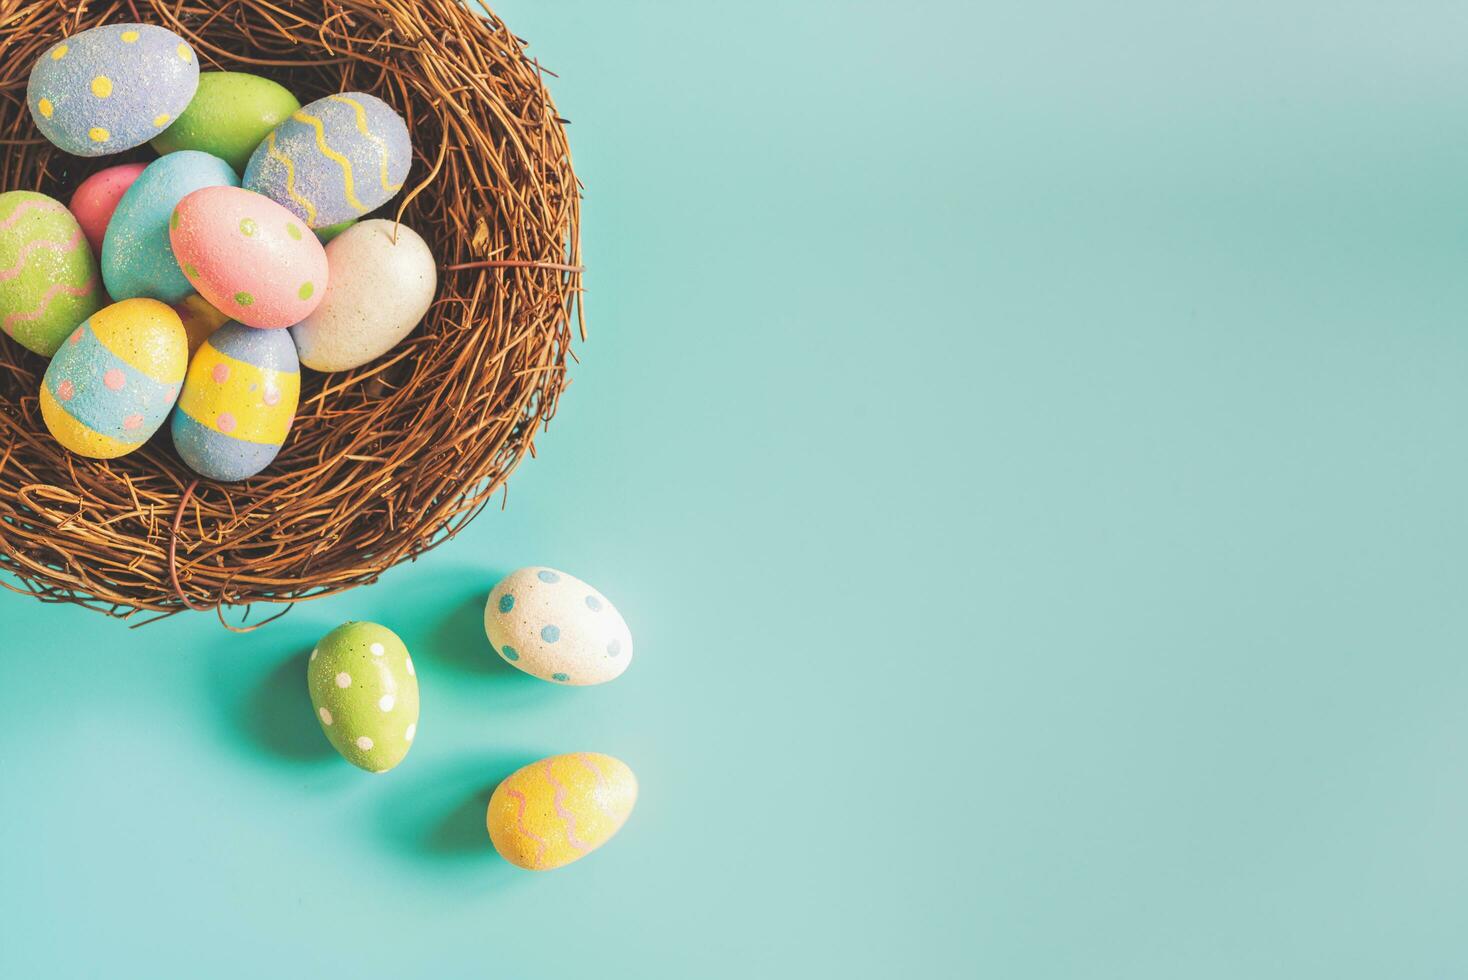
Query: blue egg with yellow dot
x=111, y=88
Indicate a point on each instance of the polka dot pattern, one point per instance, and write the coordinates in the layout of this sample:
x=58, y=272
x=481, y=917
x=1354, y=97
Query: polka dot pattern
x=112, y=88
x=361, y=681
x=555, y=627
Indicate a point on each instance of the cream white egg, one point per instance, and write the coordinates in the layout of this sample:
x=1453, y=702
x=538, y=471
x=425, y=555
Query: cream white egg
x=556, y=627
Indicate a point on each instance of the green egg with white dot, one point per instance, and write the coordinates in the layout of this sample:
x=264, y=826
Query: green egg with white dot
x=365, y=694
x=554, y=626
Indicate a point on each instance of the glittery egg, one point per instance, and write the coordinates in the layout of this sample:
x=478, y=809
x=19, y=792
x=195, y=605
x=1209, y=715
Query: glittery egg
x=48, y=278
x=248, y=256
x=114, y=380
x=137, y=256
x=111, y=88
x=560, y=809
x=239, y=399
x=231, y=113
x=556, y=627
x=96, y=198
x=200, y=320
x=365, y=694
x=382, y=280
x=335, y=159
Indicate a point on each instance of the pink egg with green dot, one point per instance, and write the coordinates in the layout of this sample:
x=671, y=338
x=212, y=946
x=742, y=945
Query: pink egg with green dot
x=249, y=257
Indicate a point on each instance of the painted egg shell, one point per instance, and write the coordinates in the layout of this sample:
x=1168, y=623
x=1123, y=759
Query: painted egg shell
x=48, y=278
x=248, y=256
x=231, y=113
x=137, y=257
x=111, y=88
x=331, y=231
x=97, y=196
x=238, y=402
x=337, y=158
x=365, y=694
x=376, y=293
x=113, y=382
x=200, y=320
x=556, y=627
x=560, y=809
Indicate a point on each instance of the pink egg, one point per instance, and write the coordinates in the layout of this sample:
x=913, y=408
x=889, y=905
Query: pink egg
x=97, y=197
x=252, y=259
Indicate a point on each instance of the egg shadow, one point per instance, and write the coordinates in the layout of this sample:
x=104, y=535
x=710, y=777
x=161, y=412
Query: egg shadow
x=440, y=812
x=277, y=716
x=458, y=641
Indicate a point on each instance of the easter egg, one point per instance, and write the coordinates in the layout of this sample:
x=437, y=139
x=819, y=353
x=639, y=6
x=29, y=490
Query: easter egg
x=95, y=199
x=48, y=278
x=556, y=627
x=239, y=399
x=111, y=88
x=335, y=159
x=248, y=256
x=331, y=231
x=377, y=291
x=231, y=113
x=560, y=809
x=137, y=256
x=114, y=380
x=365, y=694
x=200, y=320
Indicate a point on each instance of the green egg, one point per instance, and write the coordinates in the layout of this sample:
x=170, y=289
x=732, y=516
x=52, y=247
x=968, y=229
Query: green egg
x=331, y=231
x=231, y=113
x=365, y=694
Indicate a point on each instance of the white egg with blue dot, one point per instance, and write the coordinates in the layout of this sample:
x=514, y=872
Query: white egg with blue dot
x=556, y=627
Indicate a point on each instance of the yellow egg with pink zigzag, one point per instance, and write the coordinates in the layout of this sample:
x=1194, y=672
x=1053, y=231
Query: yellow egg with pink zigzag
x=560, y=809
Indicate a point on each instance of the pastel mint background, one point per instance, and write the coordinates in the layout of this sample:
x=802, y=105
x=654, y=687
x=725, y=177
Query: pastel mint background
x=1026, y=440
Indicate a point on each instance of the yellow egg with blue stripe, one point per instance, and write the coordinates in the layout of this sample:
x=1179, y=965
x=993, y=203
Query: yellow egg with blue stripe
x=113, y=381
x=238, y=402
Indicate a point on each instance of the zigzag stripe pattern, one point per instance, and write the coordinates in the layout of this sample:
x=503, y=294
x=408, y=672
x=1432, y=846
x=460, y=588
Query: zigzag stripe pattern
x=25, y=252
x=372, y=138
x=330, y=154
x=567, y=817
x=30, y=205
x=273, y=152
x=56, y=289
x=519, y=799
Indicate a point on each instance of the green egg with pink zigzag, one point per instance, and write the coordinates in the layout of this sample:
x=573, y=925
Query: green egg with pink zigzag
x=48, y=275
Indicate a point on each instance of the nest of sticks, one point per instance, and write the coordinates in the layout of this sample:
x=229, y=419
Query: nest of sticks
x=386, y=461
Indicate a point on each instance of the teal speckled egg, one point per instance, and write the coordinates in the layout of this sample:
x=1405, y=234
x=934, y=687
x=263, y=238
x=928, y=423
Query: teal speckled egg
x=365, y=694
x=111, y=88
x=137, y=256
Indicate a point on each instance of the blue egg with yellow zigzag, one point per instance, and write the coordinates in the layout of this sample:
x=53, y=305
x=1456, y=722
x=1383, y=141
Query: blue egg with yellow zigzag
x=333, y=160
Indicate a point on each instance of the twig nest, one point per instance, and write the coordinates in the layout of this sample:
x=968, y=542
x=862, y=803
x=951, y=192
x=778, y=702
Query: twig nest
x=385, y=459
